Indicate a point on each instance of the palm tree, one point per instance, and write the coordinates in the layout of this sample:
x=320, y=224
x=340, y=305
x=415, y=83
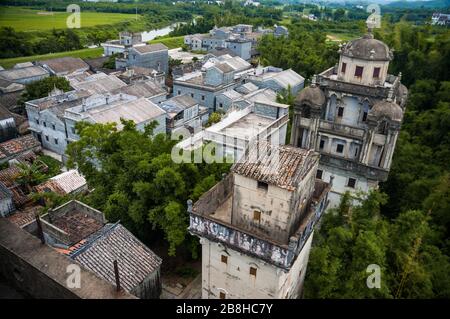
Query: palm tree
x=29, y=175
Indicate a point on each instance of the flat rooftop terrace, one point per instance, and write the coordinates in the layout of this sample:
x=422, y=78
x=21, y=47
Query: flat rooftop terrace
x=245, y=127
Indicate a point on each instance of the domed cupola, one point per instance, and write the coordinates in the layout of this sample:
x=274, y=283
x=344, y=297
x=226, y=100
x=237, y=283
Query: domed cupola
x=367, y=48
x=311, y=97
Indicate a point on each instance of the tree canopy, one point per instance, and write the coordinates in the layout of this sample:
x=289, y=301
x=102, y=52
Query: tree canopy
x=136, y=181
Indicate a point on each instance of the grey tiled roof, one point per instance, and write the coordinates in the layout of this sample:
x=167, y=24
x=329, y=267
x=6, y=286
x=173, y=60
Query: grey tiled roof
x=150, y=48
x=283, y=166
x=136, y=261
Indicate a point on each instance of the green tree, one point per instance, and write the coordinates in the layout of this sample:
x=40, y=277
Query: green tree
x=42, y=88
x=135, y=180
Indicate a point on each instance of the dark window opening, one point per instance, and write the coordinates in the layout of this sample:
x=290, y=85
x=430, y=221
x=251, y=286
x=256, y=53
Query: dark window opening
x=340, y=112
x=222, y=295
x=56, y=141
x=322, y=144
x=364, y=118
x=319, y=174
x=351, y=182
x=376, y=73
x=224, y=259
x=253, y=271
x=263, y=186
x=46, y=138
x=340, y=148
x=359, y=71
x=344, y=67
x=256, y=215
x=45, y=124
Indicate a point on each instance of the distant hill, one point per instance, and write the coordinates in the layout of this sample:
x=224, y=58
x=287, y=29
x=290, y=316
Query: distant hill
x=419, y=4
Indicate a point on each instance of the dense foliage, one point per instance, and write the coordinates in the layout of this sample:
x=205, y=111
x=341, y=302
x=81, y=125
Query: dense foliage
x=42, y=88
x=135, y=180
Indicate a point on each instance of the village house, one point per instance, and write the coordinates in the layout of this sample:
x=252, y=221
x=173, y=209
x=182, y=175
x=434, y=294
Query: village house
x=15, y=147
x=256, y=226
x=280, y=31
x=83, y=234
x=184, y=112
x=258, y=118
x=277, y=79
x=46, y=118
x=216, y=76
x=22, y=75
x=64, y=66
x=155, y=56
x=6, y=201
x=135, y=73
x=110, y=108
x=70, y=182
x=126, y=40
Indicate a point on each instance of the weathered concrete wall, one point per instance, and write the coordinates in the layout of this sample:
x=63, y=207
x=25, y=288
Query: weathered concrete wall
x=367, y=76
x=273, y=204
x=41, y=272
x=233, y=278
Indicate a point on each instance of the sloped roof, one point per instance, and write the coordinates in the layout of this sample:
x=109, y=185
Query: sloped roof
x=99, y=83
x=150, y=48
x=246, y=88
x=22, y=73
x=178, y=103
x=283, y=166
x=65, y=64
x=18, y=145
x=146, y=89
x=64, y=183
x=135, y=260
x=139, y=111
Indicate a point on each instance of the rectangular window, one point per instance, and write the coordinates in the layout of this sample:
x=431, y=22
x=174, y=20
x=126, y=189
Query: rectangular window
x=53, y=127
x=203, y=97
x=319, y=174
x=220, y=105
x=359, y=71
x=364, y=118
x=253, y=271
x=340, y=112
x=179, y=92
x=263, y=186
x=192, y=95
x=45, y=124
x=222, y=295
x=256, y=216
x=344, y=67
x=224, y=259
x=46, y=138
x=322, y=143
x=56, y=141
x=376, y=73
x=351, y=182
x=340, y=148
x=37, y=121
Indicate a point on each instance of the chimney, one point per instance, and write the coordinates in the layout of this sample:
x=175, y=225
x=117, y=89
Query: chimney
x=116, y=273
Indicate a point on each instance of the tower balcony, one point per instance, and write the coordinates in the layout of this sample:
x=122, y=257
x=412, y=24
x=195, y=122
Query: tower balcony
x=211, y=217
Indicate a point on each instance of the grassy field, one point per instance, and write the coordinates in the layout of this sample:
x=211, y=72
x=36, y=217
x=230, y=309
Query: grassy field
x=22, y=19
x=171, y=43
x=84, y=53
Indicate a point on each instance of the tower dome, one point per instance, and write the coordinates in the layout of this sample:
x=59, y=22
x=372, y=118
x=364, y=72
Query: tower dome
x=367, y=48
x=388, y=110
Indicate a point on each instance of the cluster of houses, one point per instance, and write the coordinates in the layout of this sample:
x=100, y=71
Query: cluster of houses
x=441, y=19
x=240, y=40
x=223, y=81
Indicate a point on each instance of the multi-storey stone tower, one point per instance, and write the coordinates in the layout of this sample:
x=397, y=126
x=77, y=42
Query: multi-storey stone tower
x=351, y=114
x=256, y=225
